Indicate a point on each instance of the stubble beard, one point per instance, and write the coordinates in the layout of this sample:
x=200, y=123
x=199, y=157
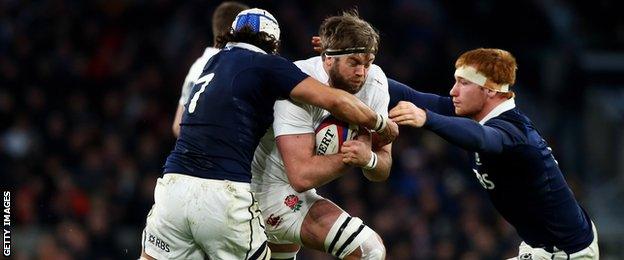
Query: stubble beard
x=338, y=81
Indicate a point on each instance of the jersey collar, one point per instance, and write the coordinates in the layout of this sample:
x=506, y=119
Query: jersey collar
x=243, y=45
x=508, y=104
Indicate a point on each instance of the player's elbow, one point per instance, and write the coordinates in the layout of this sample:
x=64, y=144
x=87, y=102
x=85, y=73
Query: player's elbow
x=300, y=185
x=382, y=177
x=297, y=180
x=376, y=176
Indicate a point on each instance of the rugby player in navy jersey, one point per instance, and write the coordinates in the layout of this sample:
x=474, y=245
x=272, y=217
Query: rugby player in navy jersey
x=203, y=204
x=222, y=18
x=510, y=158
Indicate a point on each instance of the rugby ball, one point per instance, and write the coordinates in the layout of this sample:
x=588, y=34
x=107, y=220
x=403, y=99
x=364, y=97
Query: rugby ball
x=331, y=134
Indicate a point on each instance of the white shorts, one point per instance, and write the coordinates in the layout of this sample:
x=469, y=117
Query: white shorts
x=194, y=217
x=526, y=252
x=283, y=210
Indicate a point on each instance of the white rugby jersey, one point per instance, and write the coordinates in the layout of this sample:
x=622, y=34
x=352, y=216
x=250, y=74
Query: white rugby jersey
x=194, y=73
x=295, y=118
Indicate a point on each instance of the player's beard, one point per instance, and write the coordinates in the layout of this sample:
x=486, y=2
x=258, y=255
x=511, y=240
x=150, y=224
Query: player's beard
x=338, y=81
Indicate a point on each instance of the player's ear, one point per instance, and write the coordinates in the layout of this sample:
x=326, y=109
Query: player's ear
x=491, y=93
x=488, y=93
x=329, y=61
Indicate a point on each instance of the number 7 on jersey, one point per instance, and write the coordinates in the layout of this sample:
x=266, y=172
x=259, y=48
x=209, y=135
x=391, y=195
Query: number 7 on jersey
x=205, y=80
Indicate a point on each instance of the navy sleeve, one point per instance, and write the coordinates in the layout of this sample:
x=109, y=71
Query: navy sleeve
x=282, y=74
x=401, y=92
x=468, y=134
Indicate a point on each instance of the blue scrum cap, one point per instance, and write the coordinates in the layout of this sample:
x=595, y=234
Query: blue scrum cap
x=259, y=20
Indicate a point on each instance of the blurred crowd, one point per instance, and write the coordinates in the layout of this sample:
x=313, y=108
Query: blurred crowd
x=88, y=91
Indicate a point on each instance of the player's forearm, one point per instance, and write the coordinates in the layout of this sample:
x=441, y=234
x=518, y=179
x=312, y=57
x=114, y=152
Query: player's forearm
x=350, y=109
x=439, y=104
x=341, y=104
x=382, y=170
x=465, y=133
x=315, y=171
x=401, y=92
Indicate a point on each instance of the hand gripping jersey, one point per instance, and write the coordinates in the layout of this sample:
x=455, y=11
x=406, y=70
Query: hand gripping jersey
x=295, y=118
x=229, y=110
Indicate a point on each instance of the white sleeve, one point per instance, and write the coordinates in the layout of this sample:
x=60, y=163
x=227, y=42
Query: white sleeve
x=193, y=75
x=381, y=97
x=186, y=89
x=190, y=79
x=291, y=118
x=308, y=66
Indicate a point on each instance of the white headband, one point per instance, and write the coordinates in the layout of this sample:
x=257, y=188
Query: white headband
x=474, y=76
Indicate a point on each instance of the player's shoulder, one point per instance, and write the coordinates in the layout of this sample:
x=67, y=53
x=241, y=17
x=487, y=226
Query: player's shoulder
x=375, y=69
x=244, y=50
x=210, y=51
x=309, y=61
x=245, y=59
x=269, y=60
x=377, y=74
x=310, y=65
x=198, y=65
x=511, y=118
x=507, y=123
x=376, y=79
x=501, y=122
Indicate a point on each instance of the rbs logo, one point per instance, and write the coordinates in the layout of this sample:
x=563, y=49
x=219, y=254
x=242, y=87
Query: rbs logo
x=158, y=243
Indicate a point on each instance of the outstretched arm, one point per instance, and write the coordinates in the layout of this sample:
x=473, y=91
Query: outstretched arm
x=466, y=133
x=463, y=132
x=401, y=92
x=344, y=106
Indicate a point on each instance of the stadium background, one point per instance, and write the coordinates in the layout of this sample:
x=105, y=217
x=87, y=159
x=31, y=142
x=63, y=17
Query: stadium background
x=88, y=91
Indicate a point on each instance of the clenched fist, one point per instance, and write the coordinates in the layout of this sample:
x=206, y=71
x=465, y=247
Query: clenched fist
x=356, y=153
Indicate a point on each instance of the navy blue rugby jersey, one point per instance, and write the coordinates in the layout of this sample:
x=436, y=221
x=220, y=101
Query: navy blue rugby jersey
x=516, y=167
x=229, y=110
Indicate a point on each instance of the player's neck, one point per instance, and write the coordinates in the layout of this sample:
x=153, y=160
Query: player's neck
x=489, y=105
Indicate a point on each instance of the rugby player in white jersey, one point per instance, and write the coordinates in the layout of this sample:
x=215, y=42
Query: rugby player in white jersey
x=222, y=19
x=286, y=169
